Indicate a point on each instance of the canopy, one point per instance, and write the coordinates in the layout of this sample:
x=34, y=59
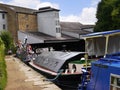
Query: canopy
x=102, y=43
x=54, y=60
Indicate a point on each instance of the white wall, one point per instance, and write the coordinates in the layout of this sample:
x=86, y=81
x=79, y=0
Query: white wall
x=3, y=21
x=48, y=22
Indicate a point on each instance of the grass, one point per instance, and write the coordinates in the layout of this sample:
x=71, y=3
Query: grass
x=3, y=75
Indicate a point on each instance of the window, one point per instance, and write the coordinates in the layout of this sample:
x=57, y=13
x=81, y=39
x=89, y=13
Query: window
x=57, y=14
x=58, y=30
x=27, y=27
x=3, y=16
x=115, y=82
x=57, y=22
x=4, y=26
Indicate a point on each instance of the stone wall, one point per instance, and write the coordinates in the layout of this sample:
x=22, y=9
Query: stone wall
x=27, y=22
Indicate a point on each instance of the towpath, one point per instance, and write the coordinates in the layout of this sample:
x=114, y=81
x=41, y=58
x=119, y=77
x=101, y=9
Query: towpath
x=22, y=77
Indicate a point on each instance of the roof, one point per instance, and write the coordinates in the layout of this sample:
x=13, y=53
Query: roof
x=87, y=26
x=70, y=25
x=19, y=9
x=54, y=60
x=102, y=43
x=100, y=34
x=50, y=39
x=75, y=27
x=46, y=9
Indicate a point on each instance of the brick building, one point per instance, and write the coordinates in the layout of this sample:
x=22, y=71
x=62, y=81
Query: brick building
x=18, y=18
x=42, y=27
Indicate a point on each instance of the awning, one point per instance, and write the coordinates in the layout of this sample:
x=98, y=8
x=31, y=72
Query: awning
x=102, y=43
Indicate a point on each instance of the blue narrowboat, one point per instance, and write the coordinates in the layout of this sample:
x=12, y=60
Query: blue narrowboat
x=105, y=72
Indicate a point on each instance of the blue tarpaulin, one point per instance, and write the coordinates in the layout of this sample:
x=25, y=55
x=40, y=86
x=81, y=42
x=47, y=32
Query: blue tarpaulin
x=99, y=34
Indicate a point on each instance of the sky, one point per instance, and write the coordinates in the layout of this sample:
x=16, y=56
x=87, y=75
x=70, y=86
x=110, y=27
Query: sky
x=83, y=11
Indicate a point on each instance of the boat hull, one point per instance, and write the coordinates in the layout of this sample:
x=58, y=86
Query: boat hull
x=69, y=81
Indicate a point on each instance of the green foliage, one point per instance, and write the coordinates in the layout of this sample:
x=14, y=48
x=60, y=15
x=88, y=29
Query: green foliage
x=8, y=40
x=108, y=15
x=3, y=73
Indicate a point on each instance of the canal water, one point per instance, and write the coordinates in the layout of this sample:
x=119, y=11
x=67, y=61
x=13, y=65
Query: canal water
x=67, y=85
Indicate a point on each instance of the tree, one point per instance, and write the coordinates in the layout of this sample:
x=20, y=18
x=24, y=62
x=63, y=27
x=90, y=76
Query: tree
x=7, y=40
x=108, y=15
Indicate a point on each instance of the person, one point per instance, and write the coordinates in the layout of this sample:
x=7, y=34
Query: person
x=30, y=53
x=29, y=49
x=74, y=67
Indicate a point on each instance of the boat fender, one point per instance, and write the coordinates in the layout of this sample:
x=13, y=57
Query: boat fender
x=66, y=71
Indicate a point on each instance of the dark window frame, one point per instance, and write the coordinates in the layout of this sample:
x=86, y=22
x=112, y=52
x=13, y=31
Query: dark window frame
x=3, y=15
x=4, y=26
x=58, y=30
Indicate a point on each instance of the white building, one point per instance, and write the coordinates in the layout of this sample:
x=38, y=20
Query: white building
x=48, y=21
x=3, y=20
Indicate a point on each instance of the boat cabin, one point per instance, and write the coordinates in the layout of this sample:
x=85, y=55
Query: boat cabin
x=102, y=43
x=105, y=72
x=54, y=61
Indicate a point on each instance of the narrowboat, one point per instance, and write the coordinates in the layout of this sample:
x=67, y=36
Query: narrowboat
x=61, y=67
x=105, y=72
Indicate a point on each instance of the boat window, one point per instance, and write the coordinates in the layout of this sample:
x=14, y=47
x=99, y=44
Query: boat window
x=114, y=82
x=118, y=81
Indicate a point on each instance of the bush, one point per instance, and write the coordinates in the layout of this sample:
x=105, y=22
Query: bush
x=8, y=41
x=3, y=73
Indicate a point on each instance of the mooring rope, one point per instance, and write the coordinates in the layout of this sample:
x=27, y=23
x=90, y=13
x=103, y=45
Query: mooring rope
x=58, y=74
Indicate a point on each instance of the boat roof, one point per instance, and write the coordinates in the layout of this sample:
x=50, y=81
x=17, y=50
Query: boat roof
x=54, y=60
x=102, y=43
x=101, y=34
